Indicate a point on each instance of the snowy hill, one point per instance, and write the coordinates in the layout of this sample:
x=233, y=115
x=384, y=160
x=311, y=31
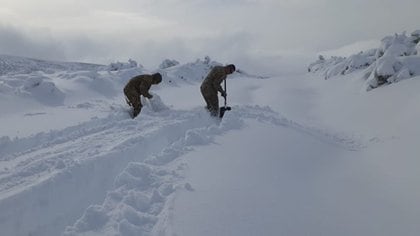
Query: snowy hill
x=296, y=155
x=20, y=65
x=397, y=58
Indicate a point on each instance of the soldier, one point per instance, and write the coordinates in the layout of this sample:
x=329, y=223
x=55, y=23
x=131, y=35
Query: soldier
x=211, y=85
x=140, y=85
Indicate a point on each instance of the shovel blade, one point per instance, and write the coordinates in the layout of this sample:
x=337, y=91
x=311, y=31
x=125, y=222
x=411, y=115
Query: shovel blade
x=223, y=110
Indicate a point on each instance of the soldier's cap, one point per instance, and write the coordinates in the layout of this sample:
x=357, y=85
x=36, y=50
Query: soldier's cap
x=231, y=67
x=157, y=77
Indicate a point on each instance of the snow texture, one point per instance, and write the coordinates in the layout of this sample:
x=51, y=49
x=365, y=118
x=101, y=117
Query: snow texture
x=396, y=59
x=168, y=63
x=286, y=160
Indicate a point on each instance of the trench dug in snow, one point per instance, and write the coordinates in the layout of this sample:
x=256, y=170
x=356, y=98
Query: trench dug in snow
x=129, y=165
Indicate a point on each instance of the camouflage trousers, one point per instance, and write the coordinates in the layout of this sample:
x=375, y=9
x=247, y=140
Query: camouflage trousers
x=133, y=99
x=212, y=101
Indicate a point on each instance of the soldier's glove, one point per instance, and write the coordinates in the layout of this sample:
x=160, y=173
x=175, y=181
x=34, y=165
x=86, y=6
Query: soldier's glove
x=224, y=94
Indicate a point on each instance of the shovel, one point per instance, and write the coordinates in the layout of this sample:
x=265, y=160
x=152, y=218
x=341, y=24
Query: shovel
x=225, y=107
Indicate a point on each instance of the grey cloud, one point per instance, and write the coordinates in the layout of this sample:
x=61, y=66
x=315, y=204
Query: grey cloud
x=242, y=31
x=22, y=43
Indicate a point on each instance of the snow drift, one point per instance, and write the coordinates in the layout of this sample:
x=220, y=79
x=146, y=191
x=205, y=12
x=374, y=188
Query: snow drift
x=396, y=59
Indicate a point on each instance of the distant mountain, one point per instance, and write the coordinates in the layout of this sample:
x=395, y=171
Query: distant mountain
x=22, y=65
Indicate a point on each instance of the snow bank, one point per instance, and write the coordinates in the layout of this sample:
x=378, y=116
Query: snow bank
x=115, y=66
x=54, y=83
x=341, y=66
x=196, y=72
x=397, y=58
x=168, y=63
x=189, y=72
x=418, y=48
x=36, y=86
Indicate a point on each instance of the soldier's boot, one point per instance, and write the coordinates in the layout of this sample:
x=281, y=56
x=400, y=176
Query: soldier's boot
x=136, y=111
x=214, y=106
x=213, y=111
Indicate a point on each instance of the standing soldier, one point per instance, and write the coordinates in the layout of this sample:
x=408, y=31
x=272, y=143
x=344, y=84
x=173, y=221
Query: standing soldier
x=140, y=85
x=211, y=85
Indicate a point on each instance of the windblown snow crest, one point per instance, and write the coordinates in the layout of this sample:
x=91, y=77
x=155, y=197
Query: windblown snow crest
x=396, y=59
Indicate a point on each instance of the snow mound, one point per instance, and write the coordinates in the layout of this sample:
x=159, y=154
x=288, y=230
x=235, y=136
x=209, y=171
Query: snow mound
x=189, y=72
x=418, y=48
x=35, y=86
x=168, y=63
x=154, y=104
x=397, y=58
x=116, y=66
x=196, y=72
x=54, y=83
x=341, y=65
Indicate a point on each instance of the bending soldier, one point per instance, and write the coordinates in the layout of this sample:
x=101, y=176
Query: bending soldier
x=211, y=85
x=140, y=85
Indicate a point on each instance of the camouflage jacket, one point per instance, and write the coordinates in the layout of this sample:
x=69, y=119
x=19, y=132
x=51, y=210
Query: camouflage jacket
x=141, y=84
x=214, y=79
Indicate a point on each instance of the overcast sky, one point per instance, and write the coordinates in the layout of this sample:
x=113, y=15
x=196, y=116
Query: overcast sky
x=238, y=31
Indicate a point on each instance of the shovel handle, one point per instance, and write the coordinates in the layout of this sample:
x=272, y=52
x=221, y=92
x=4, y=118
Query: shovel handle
x=224, y=83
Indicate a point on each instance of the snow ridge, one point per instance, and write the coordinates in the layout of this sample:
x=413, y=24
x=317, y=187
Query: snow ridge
x=396, y=59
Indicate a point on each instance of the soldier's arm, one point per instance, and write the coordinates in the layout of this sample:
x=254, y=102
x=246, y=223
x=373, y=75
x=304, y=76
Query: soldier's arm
x=145, y=92
x=145, y=86
x=218, y=87
x=217, y=80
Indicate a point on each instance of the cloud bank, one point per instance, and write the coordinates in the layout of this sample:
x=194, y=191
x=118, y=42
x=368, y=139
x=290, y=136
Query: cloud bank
x=239, y=31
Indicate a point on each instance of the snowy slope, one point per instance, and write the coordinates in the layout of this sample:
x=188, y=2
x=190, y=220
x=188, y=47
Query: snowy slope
x=75, y=129
x=396, y=59
x=282, y=181
x=20, y=65
x=297, y=155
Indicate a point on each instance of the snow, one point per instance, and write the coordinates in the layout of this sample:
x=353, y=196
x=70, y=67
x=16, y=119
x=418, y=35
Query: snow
x=396, y=59
x=353, y=48
x=19, y=65
x=296, y=155
x=115, y=66
x=168, y=63
x=275, y=201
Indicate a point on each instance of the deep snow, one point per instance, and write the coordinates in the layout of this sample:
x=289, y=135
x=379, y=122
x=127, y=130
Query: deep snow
x=297, y=155
x=397, y=58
